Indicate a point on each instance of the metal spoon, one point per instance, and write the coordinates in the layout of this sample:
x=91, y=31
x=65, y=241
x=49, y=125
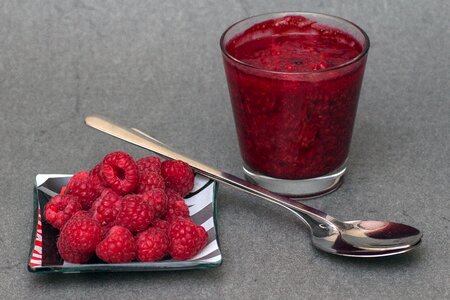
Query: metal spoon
x=359, y=238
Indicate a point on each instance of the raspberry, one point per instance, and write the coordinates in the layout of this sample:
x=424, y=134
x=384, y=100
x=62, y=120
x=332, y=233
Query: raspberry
x=177, y=209
x=161, y=224
x=96, y=179
x=120, y=172
x=178, y=176
x=81, y=233
x=203, y=237
x=149, y=164
x=86, y=214
x=80, y=185
x=136, y=215
x=60, y=209
x=186, y=239
x=69, y=255
x=157, y=199
x=106, y=208
x=117, y=247
x=149, y=181
x=106, y=228
x=173, y=196
x=152, y=245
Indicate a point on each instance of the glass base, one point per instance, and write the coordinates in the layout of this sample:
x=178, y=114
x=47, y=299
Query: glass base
x=299, y=189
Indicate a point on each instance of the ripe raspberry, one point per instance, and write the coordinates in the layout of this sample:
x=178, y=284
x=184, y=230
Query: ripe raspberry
x=86, y=214
x=178, y=176
x=203, y=234
x=120, y=172
x=161, y=224
x=80, y=185
x=96, y=179
x=149, y=164
x=152, y=245
x=106, y=228
x=81, y=233
x=69, y=255
x=149, y=181
x=106, y=208
x=173, y=196
x=157, y=199
x=136, y=215
x=177, y=209
x=60, y=209
x=117, y=247
x=186, y=239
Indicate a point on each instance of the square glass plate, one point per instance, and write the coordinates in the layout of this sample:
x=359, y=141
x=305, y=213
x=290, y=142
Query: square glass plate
x=44, y=257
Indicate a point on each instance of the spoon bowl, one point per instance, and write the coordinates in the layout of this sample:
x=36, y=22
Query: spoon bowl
x=359, y=238
x=367, y=238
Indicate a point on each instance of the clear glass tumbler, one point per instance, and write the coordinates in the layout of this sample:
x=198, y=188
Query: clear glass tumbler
x=294, y=91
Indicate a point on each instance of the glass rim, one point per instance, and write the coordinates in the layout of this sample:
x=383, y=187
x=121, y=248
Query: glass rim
x=287, y=13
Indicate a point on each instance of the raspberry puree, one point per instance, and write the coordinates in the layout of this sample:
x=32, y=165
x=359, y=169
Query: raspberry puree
x=294, y=100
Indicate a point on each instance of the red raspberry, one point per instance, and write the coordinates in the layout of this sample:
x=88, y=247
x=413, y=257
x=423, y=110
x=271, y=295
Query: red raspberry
x=81, y=234
x=69, y=255
x=106, y=208
x=173, y=196
x=177, y=209
x=161, y=224
x=117, y=247
x=106, y=228
x=149, y=164
x=152, y=245
x=178, y=176
x=82, y=214
x=136, y=215
x=149, y=181
x=60, y=209
x=80, y=185
x=203, y=234
x=96, y=179
x=120, y=172
x=157, y=199
x=186, y=239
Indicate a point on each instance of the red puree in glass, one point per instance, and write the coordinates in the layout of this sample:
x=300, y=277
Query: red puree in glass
x=293, y=120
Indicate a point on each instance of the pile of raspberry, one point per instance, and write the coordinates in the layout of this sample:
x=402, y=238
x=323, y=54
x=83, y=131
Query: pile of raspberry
x=125, y=210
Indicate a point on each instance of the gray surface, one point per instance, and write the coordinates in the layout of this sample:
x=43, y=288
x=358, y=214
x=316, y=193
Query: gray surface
x=158, y=67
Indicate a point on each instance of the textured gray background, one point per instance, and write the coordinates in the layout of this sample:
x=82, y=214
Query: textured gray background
x=156, y=65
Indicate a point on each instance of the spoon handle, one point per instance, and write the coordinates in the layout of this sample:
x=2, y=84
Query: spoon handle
x=309, y=215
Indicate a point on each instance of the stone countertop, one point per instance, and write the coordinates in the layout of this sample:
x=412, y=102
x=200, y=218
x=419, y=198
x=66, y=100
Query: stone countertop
x=157, y=66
